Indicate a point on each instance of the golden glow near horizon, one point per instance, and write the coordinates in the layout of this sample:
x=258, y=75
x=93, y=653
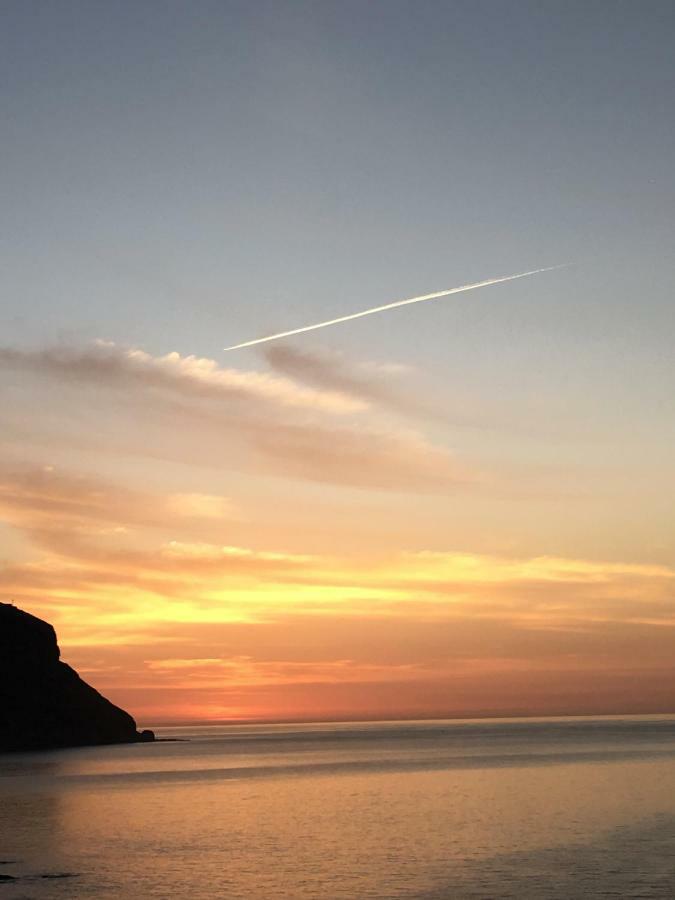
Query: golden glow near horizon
x=303, y=543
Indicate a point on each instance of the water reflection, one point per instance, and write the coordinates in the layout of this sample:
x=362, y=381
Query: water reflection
x=32, y=833
x=394, y=811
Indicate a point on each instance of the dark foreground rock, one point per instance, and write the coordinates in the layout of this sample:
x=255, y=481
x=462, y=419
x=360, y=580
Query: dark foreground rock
x=44, y=704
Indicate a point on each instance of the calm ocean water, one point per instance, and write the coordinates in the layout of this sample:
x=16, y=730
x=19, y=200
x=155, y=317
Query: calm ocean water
x=489, y=809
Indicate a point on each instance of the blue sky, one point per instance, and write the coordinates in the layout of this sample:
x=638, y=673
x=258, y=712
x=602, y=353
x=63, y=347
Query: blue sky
x=174, y=172
x=182, y=177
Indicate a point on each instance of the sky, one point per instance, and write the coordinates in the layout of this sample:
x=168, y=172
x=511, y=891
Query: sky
x=462, y=507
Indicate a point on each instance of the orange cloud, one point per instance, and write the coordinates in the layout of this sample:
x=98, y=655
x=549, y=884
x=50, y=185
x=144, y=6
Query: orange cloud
x=192, y=628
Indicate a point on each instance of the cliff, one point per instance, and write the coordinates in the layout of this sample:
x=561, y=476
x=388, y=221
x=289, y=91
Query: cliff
x=44, y=704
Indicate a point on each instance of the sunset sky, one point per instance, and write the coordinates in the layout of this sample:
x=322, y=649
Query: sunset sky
x=463, y=507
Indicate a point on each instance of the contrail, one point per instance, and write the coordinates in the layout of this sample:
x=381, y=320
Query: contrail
x=377, y=309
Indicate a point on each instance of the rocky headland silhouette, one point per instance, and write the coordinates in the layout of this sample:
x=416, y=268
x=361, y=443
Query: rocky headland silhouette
x=44, y=704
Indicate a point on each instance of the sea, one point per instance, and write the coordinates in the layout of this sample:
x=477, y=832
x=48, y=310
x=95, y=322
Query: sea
x=510, y=808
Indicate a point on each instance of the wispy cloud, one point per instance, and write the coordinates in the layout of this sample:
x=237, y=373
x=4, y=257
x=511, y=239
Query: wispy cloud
x=191, y=409
x=108, y=365
x=381, y=385
x=43, y=496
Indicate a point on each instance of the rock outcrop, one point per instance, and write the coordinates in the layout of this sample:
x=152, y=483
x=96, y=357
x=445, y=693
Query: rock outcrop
x=44, y=704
